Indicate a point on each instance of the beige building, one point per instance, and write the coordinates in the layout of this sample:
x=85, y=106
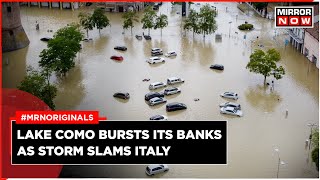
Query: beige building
x=311, y=44
x=311, y=40
x=121, y=6
x=61, y=5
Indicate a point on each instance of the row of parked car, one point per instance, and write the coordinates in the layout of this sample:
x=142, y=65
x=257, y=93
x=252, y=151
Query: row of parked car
x=154, y=98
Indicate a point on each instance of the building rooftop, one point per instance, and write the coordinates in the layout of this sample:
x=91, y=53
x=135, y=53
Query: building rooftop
x=314, y=31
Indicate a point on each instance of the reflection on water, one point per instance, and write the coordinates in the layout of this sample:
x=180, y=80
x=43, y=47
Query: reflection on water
x=94, y=80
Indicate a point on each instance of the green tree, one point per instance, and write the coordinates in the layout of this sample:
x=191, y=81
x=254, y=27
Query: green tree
x=148, y=18
x=207, y=23
x=315, y=145
x=191, y=22
x=129, y=18
x=265, y=63
x=36, y=84
x=61, y=50
x=86, y=21
x=161, y=22
x=100, y=20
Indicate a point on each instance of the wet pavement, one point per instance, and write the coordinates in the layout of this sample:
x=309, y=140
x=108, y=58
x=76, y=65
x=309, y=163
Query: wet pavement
x=251, y=138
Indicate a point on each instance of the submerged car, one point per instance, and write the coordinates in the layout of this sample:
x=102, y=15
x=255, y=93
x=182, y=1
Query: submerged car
x=175, y=80
x=158, y=118
x=231, y=111
x=155, y=60
x=147, y=37
x=156, y=169
x=230, y=95
x=122, y=95
x=117, y=58
x=171, y=90
x=46, y=39
x=175, y=106
x=217, y=66
x=230, y=104
x=157, y=100
x=157, y=85
x=156, y=53
x=120, y=48
x=170, y=54
x=151, y=95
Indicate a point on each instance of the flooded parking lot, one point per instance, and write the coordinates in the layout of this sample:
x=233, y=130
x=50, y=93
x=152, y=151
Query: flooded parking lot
x=251, y=138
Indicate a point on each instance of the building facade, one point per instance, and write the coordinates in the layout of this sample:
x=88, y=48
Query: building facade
x=121, y=6
x=296, y=38
x=13, y=34
x=311, y=44
x=61, y=5
x=311, y=40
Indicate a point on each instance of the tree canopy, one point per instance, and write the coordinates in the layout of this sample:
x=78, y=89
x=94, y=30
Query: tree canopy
x=129, y=18
x=61, y=50
x=315, y=151
x=161, y=22
x=100, y=20
x=148, y=18
x=207, y=22
x=191, y=22
x=86, y=21
x=265, y=63
x=36, y=84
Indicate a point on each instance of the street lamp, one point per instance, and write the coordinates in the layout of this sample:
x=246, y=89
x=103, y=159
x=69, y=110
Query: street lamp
x=230, y=27
x=311, y=125
x=279, y=160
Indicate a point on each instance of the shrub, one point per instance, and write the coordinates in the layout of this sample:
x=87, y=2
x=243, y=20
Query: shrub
x=245, y=27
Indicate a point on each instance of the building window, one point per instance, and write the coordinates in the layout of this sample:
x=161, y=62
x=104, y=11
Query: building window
x=314, y=59
x=306, y=51
x=10, y=32
x=9, y=9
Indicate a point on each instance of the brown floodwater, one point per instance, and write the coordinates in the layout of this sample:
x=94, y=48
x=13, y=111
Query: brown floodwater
x=251, y=138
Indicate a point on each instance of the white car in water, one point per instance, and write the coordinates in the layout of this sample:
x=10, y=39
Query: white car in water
x=230, y=104
x=171, y=90
x=154, y=60
x=230, y=95
x=231, y=111
x=156, y=169
x=170, y=54
x=157, y=100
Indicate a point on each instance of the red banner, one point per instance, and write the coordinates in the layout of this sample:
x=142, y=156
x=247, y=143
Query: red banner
x=58, y=117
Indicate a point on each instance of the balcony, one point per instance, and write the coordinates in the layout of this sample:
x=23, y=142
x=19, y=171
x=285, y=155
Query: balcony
x=295, y=36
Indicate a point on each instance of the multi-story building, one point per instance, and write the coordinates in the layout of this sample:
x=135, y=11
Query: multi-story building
x=311, y=40
x=296, y=38
x=61, y=5
x=121, y=6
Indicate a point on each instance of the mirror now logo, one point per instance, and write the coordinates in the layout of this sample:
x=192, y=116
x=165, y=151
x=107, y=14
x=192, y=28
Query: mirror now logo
x=294, y=17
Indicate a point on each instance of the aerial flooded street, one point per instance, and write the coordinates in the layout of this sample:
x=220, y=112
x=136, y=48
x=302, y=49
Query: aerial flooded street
x=251, y=138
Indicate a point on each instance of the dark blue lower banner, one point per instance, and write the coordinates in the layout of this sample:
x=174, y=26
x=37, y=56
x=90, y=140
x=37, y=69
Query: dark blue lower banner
x=121, y=142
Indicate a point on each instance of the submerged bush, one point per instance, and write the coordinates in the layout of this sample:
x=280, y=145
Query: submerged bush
x=245, y=26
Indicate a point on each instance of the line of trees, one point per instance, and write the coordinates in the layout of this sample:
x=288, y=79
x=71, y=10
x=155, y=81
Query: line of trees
x=201, y=23
x=150, y=20
x=98, y=19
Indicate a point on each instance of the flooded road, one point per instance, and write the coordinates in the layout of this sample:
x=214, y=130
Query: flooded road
x=251, y=138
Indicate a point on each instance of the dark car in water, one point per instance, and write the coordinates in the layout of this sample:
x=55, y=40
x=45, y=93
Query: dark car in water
x=151, y=95
x=46, y=39
x=147, y=37
x=120, y=48
x=121, y=95
x=175, y=106
x=217, y=66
